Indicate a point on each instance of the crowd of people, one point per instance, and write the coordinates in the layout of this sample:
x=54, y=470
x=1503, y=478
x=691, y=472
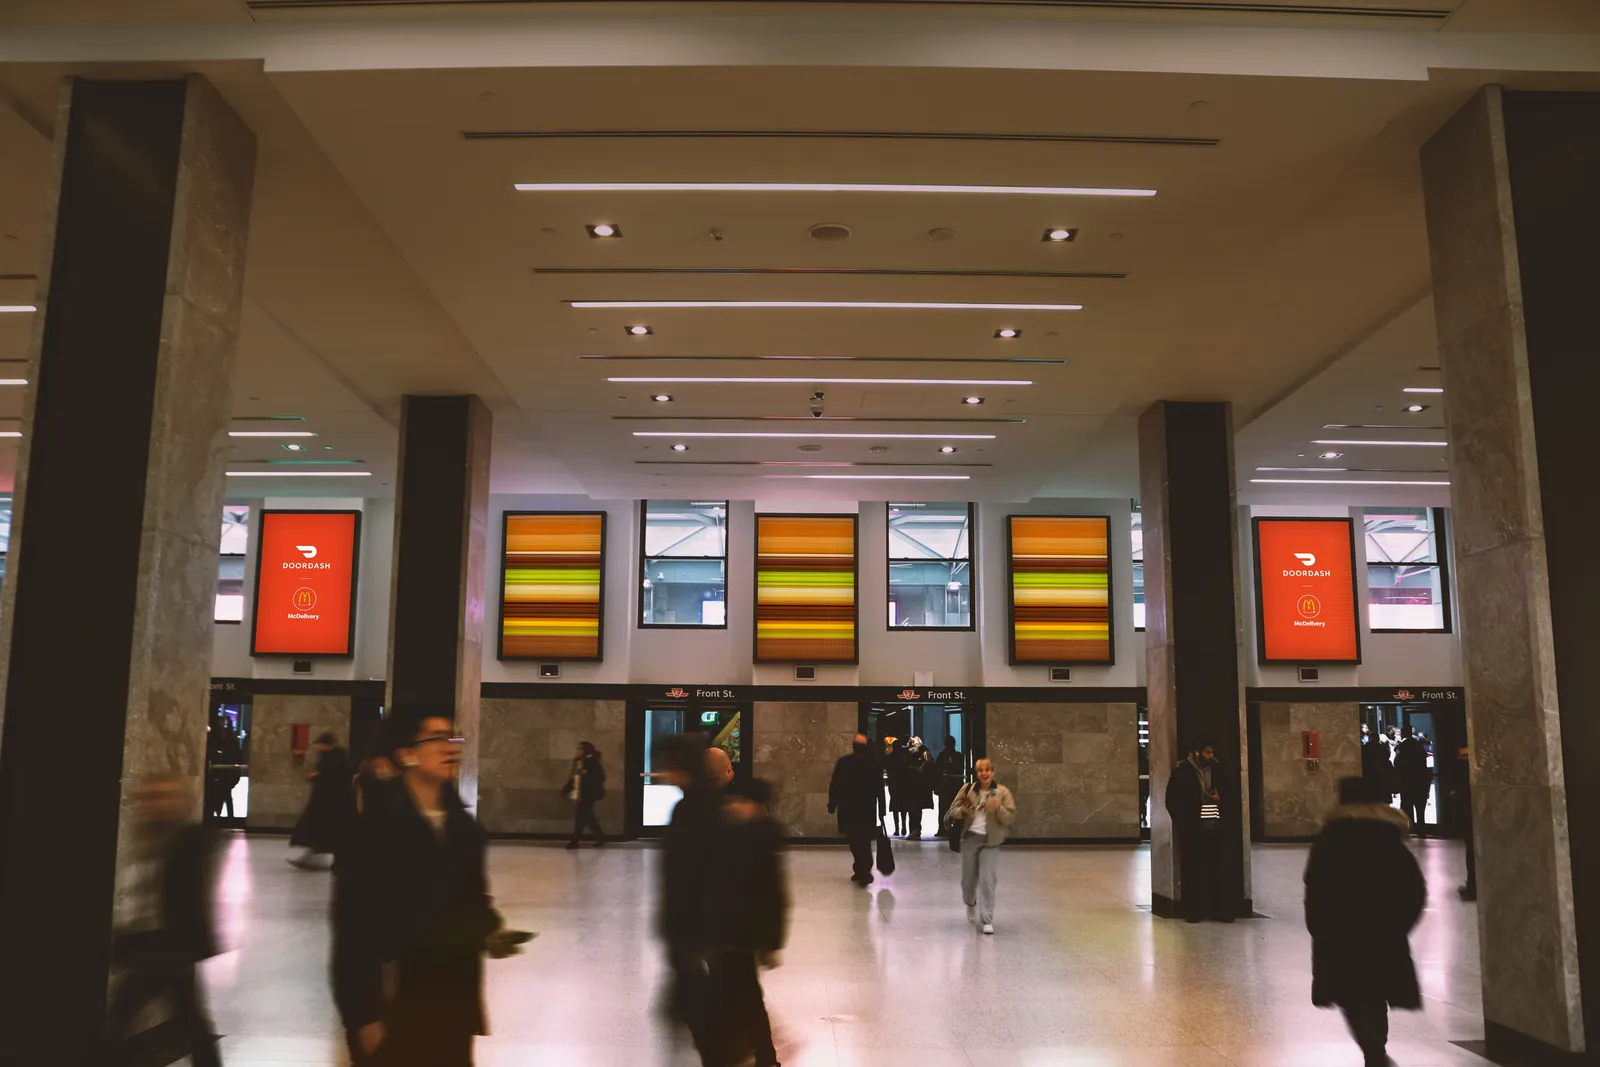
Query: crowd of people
x=412, y=919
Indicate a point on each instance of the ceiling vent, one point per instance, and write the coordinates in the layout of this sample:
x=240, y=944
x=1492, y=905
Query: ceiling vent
x=829, y=231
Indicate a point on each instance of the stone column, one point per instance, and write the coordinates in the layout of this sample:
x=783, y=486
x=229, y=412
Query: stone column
x=1192, y=627
x=117, y=513
x=1513, y=221
x=440, y=573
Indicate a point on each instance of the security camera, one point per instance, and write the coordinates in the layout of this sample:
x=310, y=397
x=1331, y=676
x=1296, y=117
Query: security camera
x=816, y=397
x=816, y=413
x=816, y=404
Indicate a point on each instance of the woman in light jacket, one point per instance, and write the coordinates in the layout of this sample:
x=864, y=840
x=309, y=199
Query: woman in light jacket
x=984, y=809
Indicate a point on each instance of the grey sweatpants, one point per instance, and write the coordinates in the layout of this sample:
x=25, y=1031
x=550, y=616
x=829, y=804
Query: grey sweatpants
x=980, y=867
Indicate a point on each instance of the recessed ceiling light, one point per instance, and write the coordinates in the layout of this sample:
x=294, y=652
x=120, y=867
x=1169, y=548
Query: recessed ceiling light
x=1059, y=234
x=1331, y=455
x=662, y=398
x=16, y=309
x=947, y=449
x=680, y=448
x=878, y=477
x=1412, y=409
x=821, y=187
x=270, y=433
x=13, y=381
x=972, y=400
x=818, y=448
x=878, y=305
x=640, y=331
x=820, y=436
x=1008, y=332
x=299, y=474
x=824, y=381
x=1422, y=389
x=603, y=229
x=1387, y=444
x=1335, y=481
x=295, y=448
x=876, y=450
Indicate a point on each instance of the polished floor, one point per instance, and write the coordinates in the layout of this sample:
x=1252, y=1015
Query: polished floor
x=1079, y=973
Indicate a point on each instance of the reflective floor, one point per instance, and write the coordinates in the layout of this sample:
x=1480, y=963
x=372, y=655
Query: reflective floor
x=1079, y=973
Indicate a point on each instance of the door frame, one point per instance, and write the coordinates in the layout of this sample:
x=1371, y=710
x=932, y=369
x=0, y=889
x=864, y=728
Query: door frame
x=634, y=735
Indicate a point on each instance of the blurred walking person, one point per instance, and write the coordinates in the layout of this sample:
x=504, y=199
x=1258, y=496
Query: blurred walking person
x=750, y=902
x=856, y=794
x=416, y=942
x=1360, y=954
x=984, y=809
x=586, y=787
x=168, y=928
x=332, y=806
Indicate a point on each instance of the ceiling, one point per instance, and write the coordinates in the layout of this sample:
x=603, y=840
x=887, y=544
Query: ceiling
x=390, y=254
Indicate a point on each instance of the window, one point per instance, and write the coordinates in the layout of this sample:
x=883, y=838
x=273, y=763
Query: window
x=930, y=566
x=230, y=567
x=684, y=563
x=1407, y=580
x=5, y=530
x=1138, y=568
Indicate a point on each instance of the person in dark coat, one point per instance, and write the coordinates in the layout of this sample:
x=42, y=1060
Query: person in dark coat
x=1456, y=778
x=332, y=806
x=1375, y=765
x=586, y=787
x=856, y=794
x=416, y=866
x=1413, y=775
x=749, y=904
x=224, y=754
x=168, y=928
x=950, y=774
x=1194, y=800
x=1360, y=955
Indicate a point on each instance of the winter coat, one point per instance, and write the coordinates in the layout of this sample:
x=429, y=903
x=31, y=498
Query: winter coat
x=965, y=807
x=1184, y=799
x=424, y=908
x=1411, y=766
x=856, y=793
x=689, y=849
x=909, y=786
x=326, y=820
x=1364, y=893
x=590, y=773
x=749, y=896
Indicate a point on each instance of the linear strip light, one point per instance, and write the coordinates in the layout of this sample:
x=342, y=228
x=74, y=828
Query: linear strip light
x=875, y=477
x=1389, y=444
x=10, y=433
x=13, y=381
x=270, y=433
x=299, y=474
x=821, y=187
x=820, y=436
x=1375, y=426
x=1351, y=470
x=1333, y=481
x=1422, y=389
x=16, y=309
x=838, y=359
x=879, y=305
x=826, y=381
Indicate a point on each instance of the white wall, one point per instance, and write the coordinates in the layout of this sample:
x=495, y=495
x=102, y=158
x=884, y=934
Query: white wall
x=1386, y=659
x=230, y=645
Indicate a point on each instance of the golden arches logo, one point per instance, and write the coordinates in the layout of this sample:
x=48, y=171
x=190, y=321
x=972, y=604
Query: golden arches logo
x=1308, y=606
x=304, y=598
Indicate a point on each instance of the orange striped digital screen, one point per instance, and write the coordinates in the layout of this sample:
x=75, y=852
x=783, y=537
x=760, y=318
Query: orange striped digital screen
x=806, y=588
x=1060, y=589
x=551, y=588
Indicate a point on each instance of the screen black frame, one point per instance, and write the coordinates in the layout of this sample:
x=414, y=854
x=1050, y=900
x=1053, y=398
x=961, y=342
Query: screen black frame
x=1261, y=617
x=1011, y=602
x=855, y=586
x=355, y=580
x=500, y=615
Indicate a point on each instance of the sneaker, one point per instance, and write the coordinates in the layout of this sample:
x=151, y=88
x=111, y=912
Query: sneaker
x=972, y=913
x=988, y=928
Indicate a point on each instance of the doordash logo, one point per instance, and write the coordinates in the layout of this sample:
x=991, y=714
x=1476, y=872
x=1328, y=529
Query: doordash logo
x=1307, y=568
x=310, y=553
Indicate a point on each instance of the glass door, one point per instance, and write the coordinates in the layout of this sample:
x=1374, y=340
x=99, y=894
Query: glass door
x=722, y=725
x=926, y=752
x=227, y=792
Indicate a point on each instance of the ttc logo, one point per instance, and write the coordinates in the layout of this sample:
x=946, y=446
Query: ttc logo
x=308, y=551
x=677, y=692
x=907, y=694
x=1306, y=559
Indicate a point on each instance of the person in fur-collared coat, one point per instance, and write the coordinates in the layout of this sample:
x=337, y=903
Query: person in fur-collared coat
x=1364, y=893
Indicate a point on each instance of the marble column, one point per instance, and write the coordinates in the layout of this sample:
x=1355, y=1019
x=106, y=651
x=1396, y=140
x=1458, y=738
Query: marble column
x=1513, y=221
x=105, y=631
x=1192, y=629
x=440, y=572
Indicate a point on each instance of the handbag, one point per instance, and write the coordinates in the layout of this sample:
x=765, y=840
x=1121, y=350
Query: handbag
x=885, y=852
x=954, y=826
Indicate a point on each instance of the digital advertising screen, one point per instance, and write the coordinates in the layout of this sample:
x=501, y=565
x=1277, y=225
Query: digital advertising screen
x=1306, y=591
x=805, y=589
x=306, y=583
x=552, y=599
x=1060, y=589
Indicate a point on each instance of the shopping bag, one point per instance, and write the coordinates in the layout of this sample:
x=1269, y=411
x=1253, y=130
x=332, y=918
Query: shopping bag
x=885, y=852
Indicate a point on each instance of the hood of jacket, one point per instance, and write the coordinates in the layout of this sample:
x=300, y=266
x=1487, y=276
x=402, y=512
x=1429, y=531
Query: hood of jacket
x=1372, y=812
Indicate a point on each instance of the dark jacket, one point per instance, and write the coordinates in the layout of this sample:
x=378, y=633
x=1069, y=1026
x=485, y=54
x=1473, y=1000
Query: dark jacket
x=326, y=820
x=1411, y=765
x=749, y=898
x=1375, y=763
x=1364, y=893
x=688, y=850
x=1184, y=797
x=856, y=792
x=422, y=904
x=590, y=771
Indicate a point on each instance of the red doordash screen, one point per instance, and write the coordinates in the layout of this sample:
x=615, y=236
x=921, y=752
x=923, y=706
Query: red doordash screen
x=306, y=583
x=1306, y=592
